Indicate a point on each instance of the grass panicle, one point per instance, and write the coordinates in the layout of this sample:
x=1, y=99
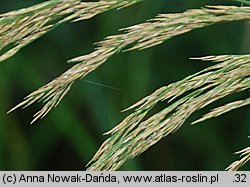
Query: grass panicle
x=140, y=36
x=21, y=27
x=245, y=154
x=135, y=134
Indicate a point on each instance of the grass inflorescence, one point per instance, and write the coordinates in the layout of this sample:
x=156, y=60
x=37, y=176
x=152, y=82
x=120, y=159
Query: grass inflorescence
x=141, y=36
x=135, y=134
x=21, y=27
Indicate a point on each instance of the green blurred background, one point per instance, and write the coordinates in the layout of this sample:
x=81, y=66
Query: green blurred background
x=68, y=137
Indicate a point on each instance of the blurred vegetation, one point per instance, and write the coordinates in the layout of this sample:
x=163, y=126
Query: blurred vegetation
x=68, y=136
